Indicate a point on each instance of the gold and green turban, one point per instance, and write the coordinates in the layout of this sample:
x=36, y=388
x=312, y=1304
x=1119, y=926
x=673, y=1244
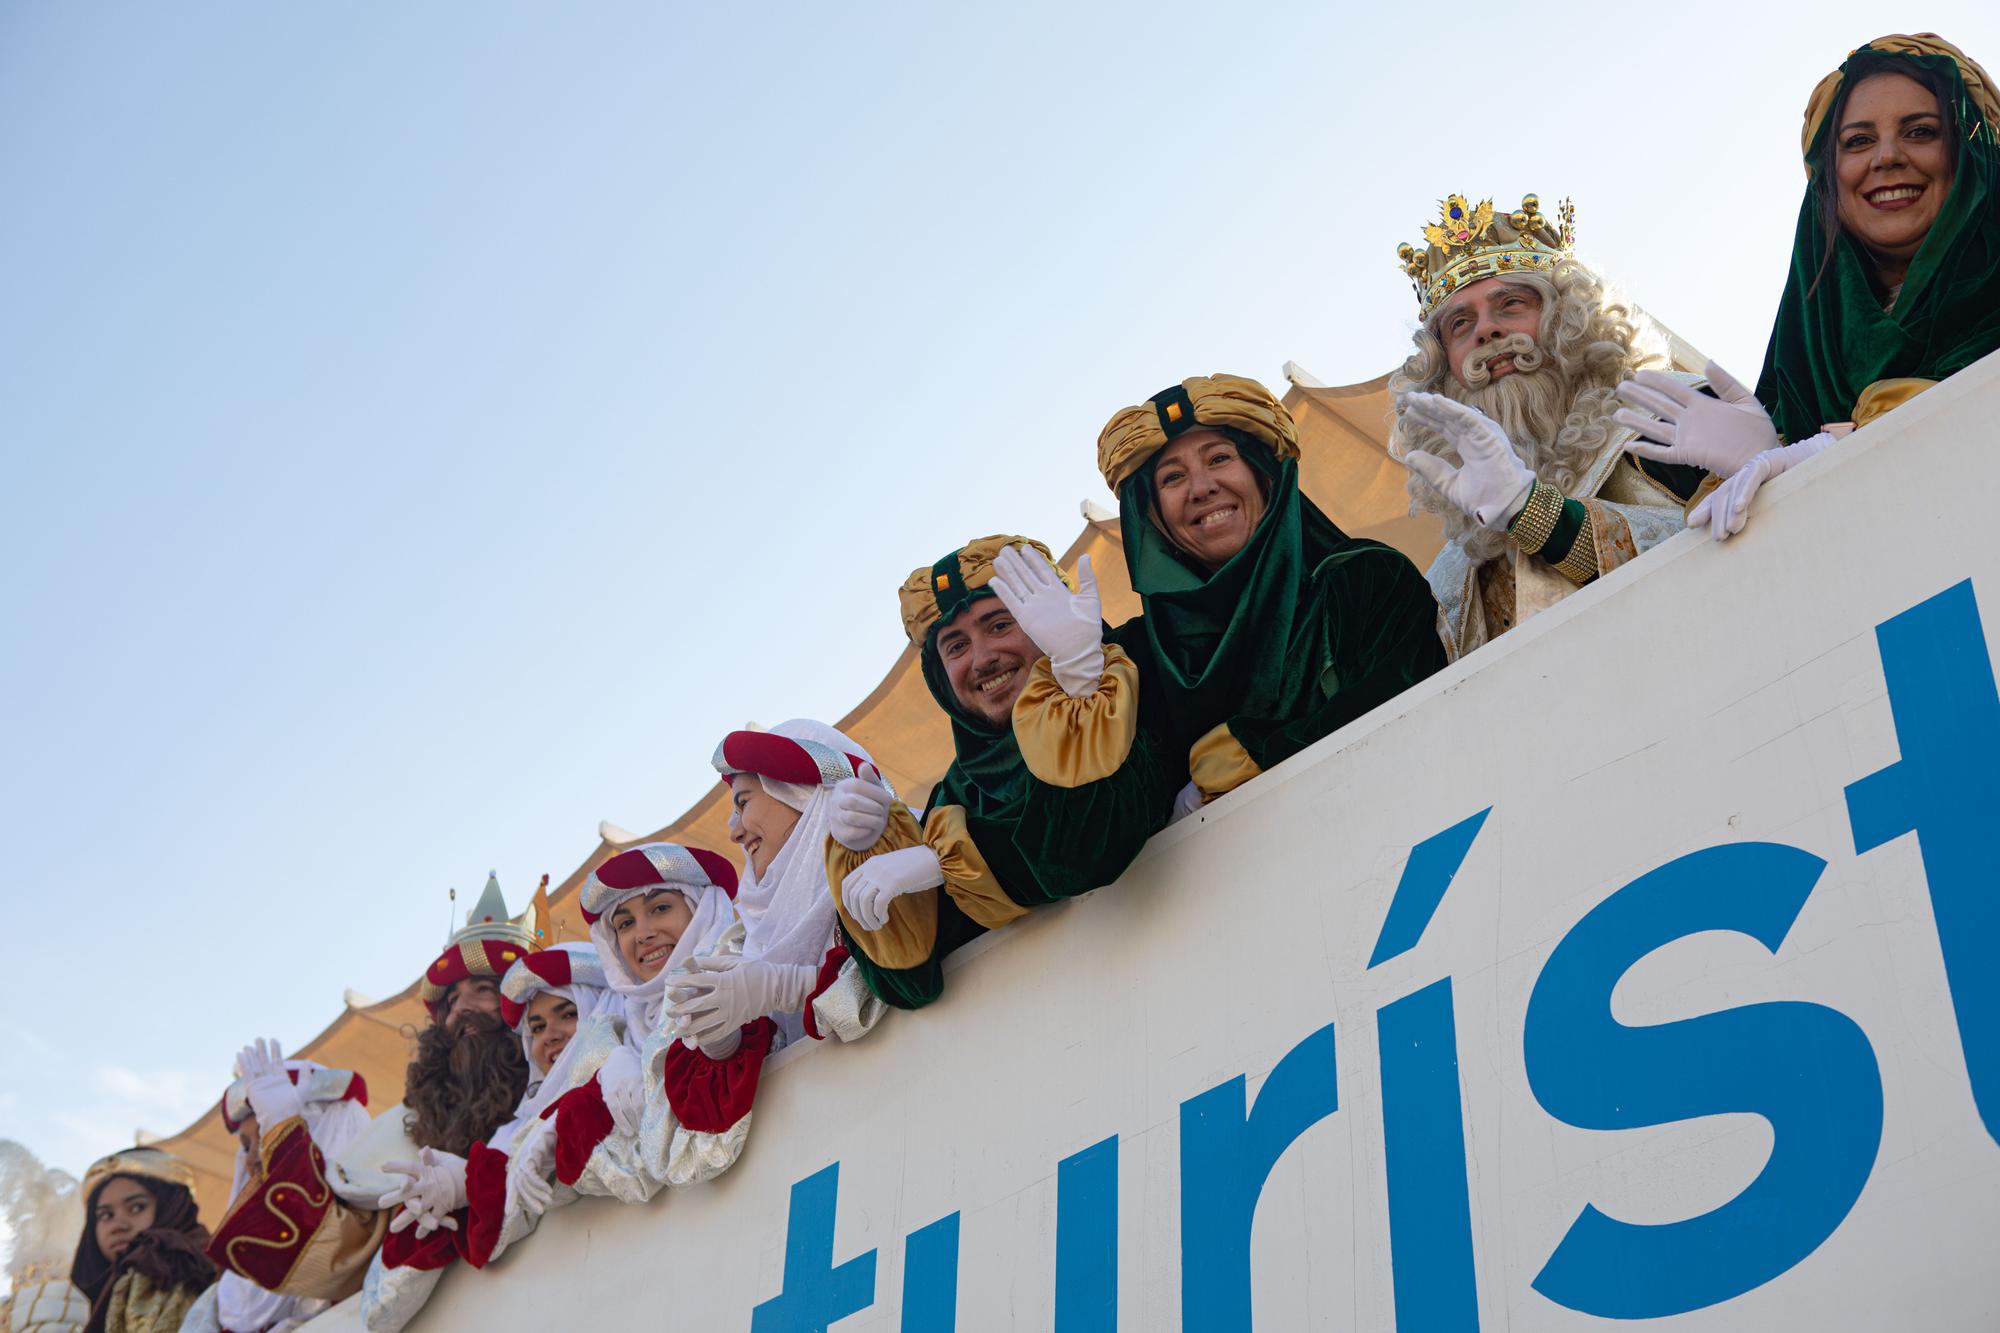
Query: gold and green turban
x=1979, y=85
x=938, y=592
x=1228, y=402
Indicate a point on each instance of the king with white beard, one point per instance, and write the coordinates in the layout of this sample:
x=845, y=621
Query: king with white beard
x=1504, y=417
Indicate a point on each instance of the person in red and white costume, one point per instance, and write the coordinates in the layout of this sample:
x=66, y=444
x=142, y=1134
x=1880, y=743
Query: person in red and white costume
x=788, y=789
x=568, y=1022
x=659, y=1112
x=333, y=1103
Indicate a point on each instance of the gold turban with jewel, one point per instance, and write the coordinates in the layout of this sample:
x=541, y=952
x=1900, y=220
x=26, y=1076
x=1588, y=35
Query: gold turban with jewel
x=938, y=592
x=1228, y=402
x=147, y=1163
x=1978, y=86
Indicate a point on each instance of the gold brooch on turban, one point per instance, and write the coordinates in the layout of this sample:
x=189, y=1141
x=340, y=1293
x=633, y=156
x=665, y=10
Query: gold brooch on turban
x=939, y=592
x=1228, y=402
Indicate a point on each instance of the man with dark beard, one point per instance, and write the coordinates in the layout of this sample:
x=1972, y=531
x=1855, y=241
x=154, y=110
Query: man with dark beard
x=1505, y=418
x=293, y=1235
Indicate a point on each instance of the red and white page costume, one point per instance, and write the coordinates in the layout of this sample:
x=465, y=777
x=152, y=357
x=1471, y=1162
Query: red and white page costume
x=619, y=1133
x=788, y=912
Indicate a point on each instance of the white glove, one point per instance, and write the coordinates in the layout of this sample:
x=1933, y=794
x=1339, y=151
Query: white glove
x=434, y=1191
x=870, y=886
x=721, y=1046
x=1727, y=508
x=723, y=994
x=273, y=1096
x=529, y=1167
x=1491, y=483
x=1067, y=626
x=1186, y=803
x=624, y=1090
x=1693, y=429
x=858, y=811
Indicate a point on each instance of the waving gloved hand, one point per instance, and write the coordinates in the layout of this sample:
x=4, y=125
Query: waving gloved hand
x=273, y=1096
x=434, y=1191
x=529, y=1166
x=870, y=886
x=1491, y=483
x=1068, y=626
x=857, y=812
x=724, y=993
x=1688, y=427
x=1727, y=508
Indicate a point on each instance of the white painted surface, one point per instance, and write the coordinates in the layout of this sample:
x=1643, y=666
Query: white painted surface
x=1702, y=695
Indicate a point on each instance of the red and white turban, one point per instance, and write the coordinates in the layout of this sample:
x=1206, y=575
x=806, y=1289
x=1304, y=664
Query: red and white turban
x=788, y=914
x=558, y=969
x=705, y=879
x=486, y=946
x=575, y=972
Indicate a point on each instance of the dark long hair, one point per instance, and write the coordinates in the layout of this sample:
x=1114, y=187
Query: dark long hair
x=462, y=1086
x=170, y=1252
x=1826, y=153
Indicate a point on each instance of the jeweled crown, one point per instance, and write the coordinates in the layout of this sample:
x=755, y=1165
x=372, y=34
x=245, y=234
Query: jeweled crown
x=1469, y=242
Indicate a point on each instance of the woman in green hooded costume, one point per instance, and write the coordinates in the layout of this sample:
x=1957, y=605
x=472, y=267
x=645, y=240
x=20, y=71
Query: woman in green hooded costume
x=1895, y=273
x=1265, y=627
x=1001, y=835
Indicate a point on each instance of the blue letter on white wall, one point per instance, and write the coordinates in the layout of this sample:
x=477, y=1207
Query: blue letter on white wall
x=1807, y=1069
x=1225, y=1158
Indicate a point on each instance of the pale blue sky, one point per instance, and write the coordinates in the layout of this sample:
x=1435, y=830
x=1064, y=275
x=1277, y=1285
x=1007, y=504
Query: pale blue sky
x=428, y=427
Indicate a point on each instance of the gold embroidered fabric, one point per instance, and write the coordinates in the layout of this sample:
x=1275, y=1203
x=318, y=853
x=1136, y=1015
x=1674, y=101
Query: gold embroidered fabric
x=1070, y=742
x=1218, y=763
x=333, y=1262
x=138, y=1305
x=1884, y=396
x=918, y=599
x=1978, y=85
x=1233, y=402
x=971, y=884
x=910, y=934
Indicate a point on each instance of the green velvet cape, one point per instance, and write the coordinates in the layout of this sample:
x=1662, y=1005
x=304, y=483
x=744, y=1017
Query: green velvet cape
x=1831, y=343
x=1302, y=631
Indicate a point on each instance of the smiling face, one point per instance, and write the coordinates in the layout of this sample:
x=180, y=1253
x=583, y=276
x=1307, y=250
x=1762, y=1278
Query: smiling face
x=474, y=995
x=759, y=822
x=124, y=1208
x=1210, y=498
x=1480, y=315
x=1892, y=169
x=647, y=929
x=986, y=656
x=550, y=1023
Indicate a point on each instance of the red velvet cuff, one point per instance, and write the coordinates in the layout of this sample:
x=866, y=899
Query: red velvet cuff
x=829, y=972
x=265, y=1234
x=582, y=1122
x=708, y=1096
x=402, y=1249
x=485, y=1203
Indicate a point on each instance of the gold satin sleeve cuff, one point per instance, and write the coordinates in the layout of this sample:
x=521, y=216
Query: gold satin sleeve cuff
x=910, y=935
x=967, y=878
x=1885, y=396
x=1218, y=763
x=1070, y=742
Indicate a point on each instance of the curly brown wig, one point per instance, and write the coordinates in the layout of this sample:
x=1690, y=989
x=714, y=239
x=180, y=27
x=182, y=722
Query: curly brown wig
x=462, y=1086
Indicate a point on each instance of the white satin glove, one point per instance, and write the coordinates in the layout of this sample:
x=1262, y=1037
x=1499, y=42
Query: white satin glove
x=624, y=1089
x=1067, y=626
x=722, y=994
x=1186, y=803
x=434, y=1191
x=1691, y=428
x=1727, y=508
x=857, y=813
x=529, y=1167
x=274, y=1098
x=1491, y=483
x=872, y=885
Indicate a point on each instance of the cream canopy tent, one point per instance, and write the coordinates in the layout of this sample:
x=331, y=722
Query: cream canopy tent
x=1346, y=470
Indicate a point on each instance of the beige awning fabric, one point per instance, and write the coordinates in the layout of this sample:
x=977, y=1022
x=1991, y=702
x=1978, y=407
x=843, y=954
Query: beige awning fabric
x=1345, y=469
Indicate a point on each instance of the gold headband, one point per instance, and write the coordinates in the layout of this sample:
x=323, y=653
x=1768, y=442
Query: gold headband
x=149, y=1163
x=918, y=596
x=1135, y=434
x=1978, y=86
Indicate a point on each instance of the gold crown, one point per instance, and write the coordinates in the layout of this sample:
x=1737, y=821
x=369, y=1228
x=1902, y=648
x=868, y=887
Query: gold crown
x=1468, y=243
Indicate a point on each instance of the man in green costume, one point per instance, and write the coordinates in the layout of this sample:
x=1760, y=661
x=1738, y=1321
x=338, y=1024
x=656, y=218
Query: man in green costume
x=1027, y=813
